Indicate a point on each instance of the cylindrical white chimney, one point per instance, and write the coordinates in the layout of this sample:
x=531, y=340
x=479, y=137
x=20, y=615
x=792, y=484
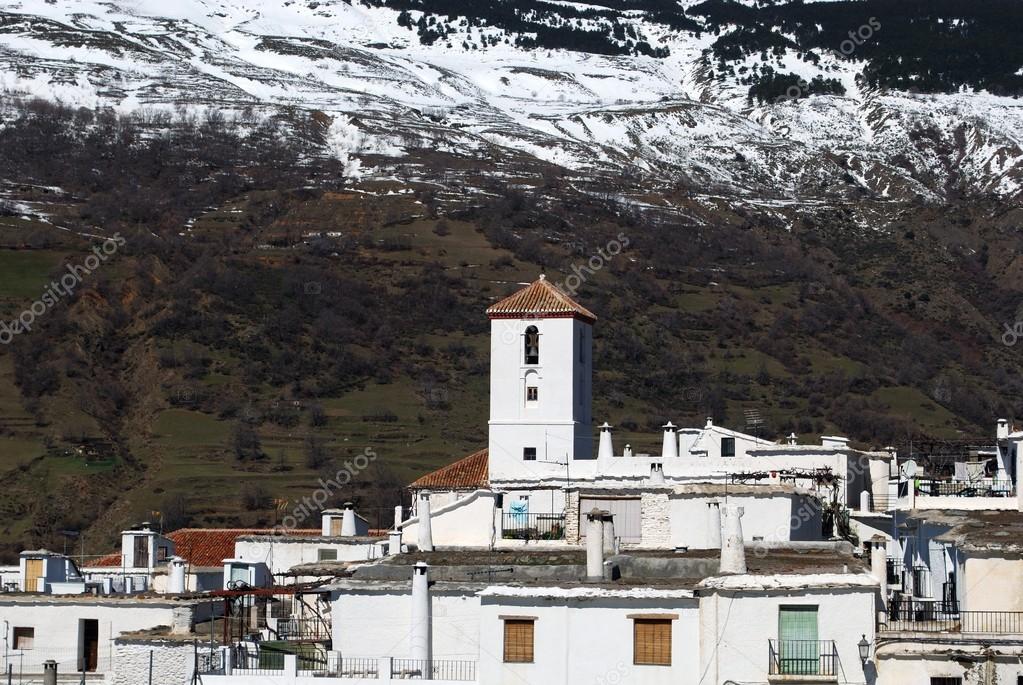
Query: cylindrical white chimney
x=879, y=565
x=733, y=550
x=608, y=521
x=397, y=517
x=176, y=576
x=1003, y=429
x=425, y=527
x=669, y=445
x=419, y=637
x=394, y=542
x=348, y=528
x=656, y=474
x=605, y=450
x=595, y=545
x=714, y=525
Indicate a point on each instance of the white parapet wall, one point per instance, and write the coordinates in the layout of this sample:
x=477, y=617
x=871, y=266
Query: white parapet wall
x=471, y=521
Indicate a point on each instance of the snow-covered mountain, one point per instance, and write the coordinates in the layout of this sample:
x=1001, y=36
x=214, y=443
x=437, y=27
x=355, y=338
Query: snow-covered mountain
x=660, y=100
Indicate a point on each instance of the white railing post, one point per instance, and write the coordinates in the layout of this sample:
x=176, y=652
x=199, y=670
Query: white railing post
x=385, y=667
x=291, y=665
x=227, y=655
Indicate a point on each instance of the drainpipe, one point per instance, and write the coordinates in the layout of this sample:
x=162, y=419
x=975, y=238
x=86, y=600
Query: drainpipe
x=425, y=528
x=595, y=545
x=419, y=638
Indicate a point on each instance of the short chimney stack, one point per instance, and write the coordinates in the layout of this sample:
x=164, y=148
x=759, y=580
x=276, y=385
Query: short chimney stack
x=348, y=527
x=176, y=576
x=419, y=639
x=605, y=450
x=733, y=550
x=595, y=545
x=657, y=474
x=425, y=525
x=669, y=444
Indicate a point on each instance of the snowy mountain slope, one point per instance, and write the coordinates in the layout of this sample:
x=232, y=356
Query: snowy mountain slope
x=676, y=116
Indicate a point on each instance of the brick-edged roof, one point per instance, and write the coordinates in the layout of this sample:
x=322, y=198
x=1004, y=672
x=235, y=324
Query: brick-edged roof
x=467, y=473
x=540, y=298
x=205, y=547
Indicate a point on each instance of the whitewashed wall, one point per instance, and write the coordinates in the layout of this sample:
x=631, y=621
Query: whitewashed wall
x=587, y=641
x=375, y=624
x=468, y=522
x=281, y=556
x=736, y=627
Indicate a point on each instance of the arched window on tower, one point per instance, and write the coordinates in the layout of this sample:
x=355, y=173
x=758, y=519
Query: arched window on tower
x=532, y=344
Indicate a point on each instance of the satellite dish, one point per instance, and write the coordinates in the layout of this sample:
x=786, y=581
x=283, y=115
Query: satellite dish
x=909, y=469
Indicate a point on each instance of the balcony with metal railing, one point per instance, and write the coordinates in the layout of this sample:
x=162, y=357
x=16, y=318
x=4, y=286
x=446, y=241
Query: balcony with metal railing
x=799, y=659
x=227, y=666
x=936, y=616
x=533, y=526
x=312, y=629
x=985, y=487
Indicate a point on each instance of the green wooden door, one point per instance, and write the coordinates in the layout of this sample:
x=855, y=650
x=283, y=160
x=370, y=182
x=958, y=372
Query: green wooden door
x=798, y=646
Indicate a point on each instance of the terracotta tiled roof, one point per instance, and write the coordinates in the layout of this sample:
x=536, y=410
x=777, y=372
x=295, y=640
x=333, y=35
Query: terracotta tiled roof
x=205, y=547
x=540, y=298
x=465, y=474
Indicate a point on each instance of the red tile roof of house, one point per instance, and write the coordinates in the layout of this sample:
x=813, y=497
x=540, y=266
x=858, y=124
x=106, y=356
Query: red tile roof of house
x=540, y=298
x=467, y=473
x=205, y=547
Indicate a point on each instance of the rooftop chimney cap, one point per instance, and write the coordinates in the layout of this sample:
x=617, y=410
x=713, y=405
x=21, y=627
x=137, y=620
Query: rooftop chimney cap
x=348, y=505
x=595, y=513
x=606, y=426
x=710, y=422
x=669, y=426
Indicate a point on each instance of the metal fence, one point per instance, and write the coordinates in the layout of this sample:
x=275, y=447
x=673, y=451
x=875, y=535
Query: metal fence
x=802, y=657
x=533, y=526
x=433, y=670
x=353, y=667
x=303, y=629
x=25, y=662
x=939, y=617
x=931, y=487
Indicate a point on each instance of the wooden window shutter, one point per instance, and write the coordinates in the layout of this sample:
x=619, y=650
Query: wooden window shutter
x=518, y=641
x=652, y=641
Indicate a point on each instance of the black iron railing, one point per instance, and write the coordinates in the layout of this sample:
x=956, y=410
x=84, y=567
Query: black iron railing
x=802, y=657
x=533, y=527
x=209, y=662
x=303, y=629
x=932, y=487
x=945, y=616
x=433, y=669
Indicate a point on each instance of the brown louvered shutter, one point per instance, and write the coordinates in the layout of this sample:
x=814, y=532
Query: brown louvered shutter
x=652, y=642
x=518, y=641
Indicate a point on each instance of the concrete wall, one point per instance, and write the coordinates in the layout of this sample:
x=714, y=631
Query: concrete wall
x=992, y=584
x=374, y=624
x=468, y=522
x=918, y=663
x=736, y=627
x=586, y=641
x=172, y=662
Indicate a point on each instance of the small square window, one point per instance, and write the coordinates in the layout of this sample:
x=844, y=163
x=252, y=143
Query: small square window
x=727, y=447
x=518, y=641
x=326, y=554
x=528, y=454
x=651, y=642
x=24, y=638
x=532, y=393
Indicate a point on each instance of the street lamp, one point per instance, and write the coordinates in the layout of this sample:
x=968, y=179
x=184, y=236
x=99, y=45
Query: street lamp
x=864, y=648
